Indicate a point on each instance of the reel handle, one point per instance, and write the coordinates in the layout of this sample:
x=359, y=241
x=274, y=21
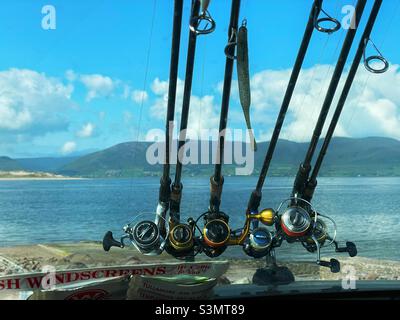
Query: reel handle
x=333, y=264
x=109, y=241
x=350, y=248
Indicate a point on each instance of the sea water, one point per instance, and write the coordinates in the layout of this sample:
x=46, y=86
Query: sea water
x=366, y=210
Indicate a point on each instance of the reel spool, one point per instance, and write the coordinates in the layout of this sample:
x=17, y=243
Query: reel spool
x=180, y=240
x=259, y=244
x=216, y=233
x=320, y=233
x=144, y=236
x=295, y=222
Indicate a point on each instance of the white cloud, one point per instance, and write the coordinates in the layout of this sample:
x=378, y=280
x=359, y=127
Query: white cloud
x=68, y=147
x=139, y=96
x=70, y=75
x=31, y=102
x=86, y=131
x=204, y=112
x=372, y=108
x=97, y=85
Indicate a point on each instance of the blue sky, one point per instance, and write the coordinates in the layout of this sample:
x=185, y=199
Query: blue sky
x=79, y=87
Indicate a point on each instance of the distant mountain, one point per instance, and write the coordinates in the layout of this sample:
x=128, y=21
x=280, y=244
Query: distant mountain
x=8, y=164
x=46, y=164
x=346, y=157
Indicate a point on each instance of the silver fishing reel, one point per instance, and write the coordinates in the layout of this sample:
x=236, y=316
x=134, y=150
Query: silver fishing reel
x=296, y=222
x=144, y=235
x=300, y=222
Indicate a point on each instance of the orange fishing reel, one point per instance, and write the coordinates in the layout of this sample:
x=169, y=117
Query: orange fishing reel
x=217, y=235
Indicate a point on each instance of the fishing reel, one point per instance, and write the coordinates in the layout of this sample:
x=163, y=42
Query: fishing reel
x=181, y=242
x=259, y=244
x=300, y=222
x=204, y=16
x=318, y=22
x=215, y=234
x=258, y=241
x=144, y=235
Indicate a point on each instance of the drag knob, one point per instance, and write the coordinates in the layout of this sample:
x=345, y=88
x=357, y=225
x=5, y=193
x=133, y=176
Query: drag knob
x=109, y=241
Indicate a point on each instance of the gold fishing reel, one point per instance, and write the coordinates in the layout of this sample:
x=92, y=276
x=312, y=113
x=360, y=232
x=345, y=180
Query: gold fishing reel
x=181, y=238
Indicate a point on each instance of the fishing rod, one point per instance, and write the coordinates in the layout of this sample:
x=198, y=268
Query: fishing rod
x=255, y=242
x=216, y=231
x=300, y=221
x=305, y=167
x=314, y=22
x=181, y=235
x=217, y=234
x=149, y=237
x=165, y=181
x=360, y=54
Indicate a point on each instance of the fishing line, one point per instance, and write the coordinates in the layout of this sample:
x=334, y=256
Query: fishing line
x=395, y=12
x=325, y=79
x=142, y=99
x=356, y=110
x=313, y=76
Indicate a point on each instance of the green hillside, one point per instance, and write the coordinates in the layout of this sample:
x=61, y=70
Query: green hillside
x=346, y=157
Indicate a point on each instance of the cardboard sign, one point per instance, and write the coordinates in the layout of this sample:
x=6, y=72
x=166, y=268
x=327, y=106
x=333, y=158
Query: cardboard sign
x=170, y=288
x=36, y=281
x=105, y=289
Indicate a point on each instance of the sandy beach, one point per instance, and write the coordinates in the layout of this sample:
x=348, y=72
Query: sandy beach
x=21, y=259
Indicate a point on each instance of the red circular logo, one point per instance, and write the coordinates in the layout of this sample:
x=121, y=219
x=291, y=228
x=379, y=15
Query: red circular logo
x=94, y=294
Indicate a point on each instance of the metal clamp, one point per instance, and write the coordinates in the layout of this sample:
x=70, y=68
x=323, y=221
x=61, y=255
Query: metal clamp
x=379, y=57
x=232, y=43
x=328, y=18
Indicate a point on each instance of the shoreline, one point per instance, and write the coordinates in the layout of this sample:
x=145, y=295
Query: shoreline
x=86, y=254
x=39, y=178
